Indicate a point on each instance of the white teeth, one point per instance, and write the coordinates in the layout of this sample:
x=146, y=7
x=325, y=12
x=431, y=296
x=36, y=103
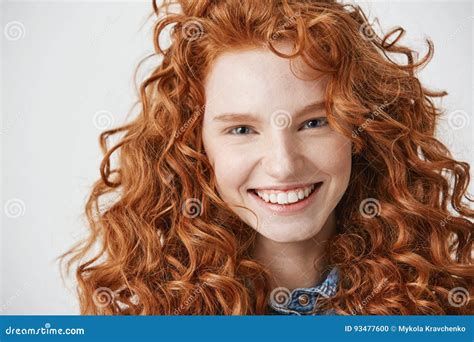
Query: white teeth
x=292, y=197
x=286, y=197
x=282, y=198
x=273, y=198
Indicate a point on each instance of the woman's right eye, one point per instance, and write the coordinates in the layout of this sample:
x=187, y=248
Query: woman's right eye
x=241, y=130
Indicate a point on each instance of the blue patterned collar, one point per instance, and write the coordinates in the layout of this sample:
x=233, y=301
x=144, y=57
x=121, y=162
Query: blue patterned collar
x=303, y=301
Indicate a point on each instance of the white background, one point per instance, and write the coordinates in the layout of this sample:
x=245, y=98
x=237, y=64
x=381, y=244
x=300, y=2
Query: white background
x=70, y=75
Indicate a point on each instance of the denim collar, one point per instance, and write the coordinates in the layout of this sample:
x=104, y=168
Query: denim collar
x=303, y=301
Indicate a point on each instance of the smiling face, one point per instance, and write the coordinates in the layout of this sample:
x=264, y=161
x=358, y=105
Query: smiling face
x=266, y=135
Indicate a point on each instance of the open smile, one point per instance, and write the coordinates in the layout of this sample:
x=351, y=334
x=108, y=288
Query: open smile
x=286, y=202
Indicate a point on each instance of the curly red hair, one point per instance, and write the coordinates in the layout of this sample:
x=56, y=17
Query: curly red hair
x=409, y=256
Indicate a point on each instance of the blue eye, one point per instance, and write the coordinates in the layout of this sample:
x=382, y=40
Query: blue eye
x=240, y=130
x=318, y=122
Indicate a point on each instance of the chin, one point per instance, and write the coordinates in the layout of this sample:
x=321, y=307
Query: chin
x=289, y=234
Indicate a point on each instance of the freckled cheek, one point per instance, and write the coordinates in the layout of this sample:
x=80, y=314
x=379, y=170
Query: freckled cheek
x=231, y=171
x=334, y=157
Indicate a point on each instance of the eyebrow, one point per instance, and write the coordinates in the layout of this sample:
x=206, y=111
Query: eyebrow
x=231, y=117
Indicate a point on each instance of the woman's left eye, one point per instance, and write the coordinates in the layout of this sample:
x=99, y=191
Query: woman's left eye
x=315, y=123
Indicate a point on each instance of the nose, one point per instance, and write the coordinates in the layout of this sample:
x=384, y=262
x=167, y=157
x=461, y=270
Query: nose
x=283, y=159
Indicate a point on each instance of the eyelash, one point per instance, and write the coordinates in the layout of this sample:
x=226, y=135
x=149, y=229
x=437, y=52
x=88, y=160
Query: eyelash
x=324, y=120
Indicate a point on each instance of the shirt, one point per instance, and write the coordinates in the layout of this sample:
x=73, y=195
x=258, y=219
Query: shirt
x=303, y=301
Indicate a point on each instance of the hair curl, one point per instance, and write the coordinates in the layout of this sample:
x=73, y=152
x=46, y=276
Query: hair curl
x=168, y=244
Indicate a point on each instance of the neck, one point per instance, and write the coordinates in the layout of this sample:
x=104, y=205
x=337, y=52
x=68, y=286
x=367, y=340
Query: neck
x=296, y=264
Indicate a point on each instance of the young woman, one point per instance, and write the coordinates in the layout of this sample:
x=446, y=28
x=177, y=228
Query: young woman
x=283, y=163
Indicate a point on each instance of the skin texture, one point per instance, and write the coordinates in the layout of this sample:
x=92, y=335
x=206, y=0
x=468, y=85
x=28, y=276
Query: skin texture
x=278, y=147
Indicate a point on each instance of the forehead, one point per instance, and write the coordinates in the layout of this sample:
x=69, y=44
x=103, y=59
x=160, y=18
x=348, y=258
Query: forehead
x=258, y=80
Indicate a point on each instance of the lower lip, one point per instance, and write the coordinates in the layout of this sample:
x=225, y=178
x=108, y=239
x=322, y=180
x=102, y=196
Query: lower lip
x=290, y=208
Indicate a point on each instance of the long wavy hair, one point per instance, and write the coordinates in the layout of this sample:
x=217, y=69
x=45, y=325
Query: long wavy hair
x=161, y=239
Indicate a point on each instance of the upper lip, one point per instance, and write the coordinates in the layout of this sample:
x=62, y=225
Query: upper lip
x=284, y=187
